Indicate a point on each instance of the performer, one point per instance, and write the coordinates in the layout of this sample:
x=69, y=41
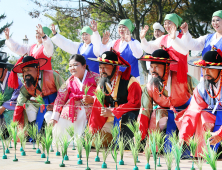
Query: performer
x=163, y=89
x=205, y=110
x=72, y=107
x=42, y=49
x=44, y=83
x=9, y=95
x=158, y=30
x=122, y=96
x=89, y=48
x=204, y=43
x=171, y=23
x=128, y=47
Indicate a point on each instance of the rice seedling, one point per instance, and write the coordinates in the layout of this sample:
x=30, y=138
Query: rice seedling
x=193, y=143
x=32, y=132
x=57, y=141
x=135, y=150
x=7, y=143
x=160, y=140
x=87, y=144
x=22, y=138
x=210, y=155
x=64, y=147
x=38, y=139
x=48, y=140
x=147, y=152
x=40, y=100
x=1, y=98
x=168, y=156
x=152, y=145
x=177, y=150
x=133, y=126
x=98, y=141
x=2, y=139
x=199, y=163
x=10, y=135
x=71, y=132
x=86, y=89
x=79, y=143
x=105, y=152
x=100, y=95
x=14, y=131
x=43, y=146
x=122, y=146
x=115, y=132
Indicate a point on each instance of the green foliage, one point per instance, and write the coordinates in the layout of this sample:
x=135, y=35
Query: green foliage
x=160, y=140
x=39, y=99
x=2, y=138
x=105, y=153
x=47, y=139
x=168, y=156
x=43, y=143
x=1, y=98
x=70, y=131
x=199, y=163
x=133, y=126
x=64, y=145
x=86, y=89
x=79, y=143
x=32, y=131
x=122, y=146
x=87, y=143
x=135, y=150
x=193, y=143
x=38, y=139
x=98, y=141
x=152, y=145
x=147, y=150
x=22, y=136
x=100, y=95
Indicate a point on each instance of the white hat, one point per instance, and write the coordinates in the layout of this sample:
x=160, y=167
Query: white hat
x=158, y=26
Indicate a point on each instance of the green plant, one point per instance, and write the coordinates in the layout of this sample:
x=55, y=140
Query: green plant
x=122, y=146
x=105, y=152
x=3, y=141
x=86, y=89
x=100, y=95
x=115, y=132
x=32, y=131
x=47, y=139
x=14, y=135
x=135, y=150
x=193, y=143
x=71, y=133
x=57, y=142
x=133, y=126
x=40, y=100
x=10, y=134
x=98, y=141
x=152, y=145
x=147, y=152
x=79, y=143
x=87, y=144
x=64, y=147
x=43, y=146
x=199, y=163
x=1, y=98
x=168, y=156
x=160, y=140
x=22, y=137
x=210, y=155
x=38, y=139
x=7, y=143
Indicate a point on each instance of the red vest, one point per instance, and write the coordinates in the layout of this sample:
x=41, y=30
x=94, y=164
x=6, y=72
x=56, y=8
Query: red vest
x=39, y=54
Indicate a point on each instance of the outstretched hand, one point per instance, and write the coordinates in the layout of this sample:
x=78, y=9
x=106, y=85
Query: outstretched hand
x=40, y=30
x=214, y=139
x=172, y=32
x=53, y=29
x=6, y=31
x=143, y=31
x=93, y=26
x=184, y=27
x=105, y=38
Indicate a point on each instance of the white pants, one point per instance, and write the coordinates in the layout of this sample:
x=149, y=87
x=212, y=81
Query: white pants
x=60, y=127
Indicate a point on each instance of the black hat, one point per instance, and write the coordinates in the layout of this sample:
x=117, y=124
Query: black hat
x=3, y=60
x=211, y=59
x=159, y=55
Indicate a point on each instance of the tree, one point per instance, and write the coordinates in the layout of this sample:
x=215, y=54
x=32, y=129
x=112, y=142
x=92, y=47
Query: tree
x=3, y=16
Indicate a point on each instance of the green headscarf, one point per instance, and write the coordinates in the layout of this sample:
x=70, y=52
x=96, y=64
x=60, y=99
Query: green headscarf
x=128, y=23
x=47, y=31
x=217, y=14
x=176, y=19
x=86, y=29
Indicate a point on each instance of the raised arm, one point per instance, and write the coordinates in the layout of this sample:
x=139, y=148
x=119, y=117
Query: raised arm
x=95, y=39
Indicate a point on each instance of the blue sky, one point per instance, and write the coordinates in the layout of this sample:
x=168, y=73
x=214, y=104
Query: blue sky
x=17, y=11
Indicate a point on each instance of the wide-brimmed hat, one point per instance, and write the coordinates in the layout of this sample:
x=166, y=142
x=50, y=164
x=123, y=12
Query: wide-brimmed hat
x=159, y=55
x=3, y=60
x=211, y=59
x=29, y=61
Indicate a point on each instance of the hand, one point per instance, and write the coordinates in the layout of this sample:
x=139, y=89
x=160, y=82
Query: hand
x=2, y=109
x=105, y=38
x=52, y=122
x=172, y=32
x=6, y=33
x=93, y=26
x=40, y=30
x=184, y=27
x=127, y=36
x=53, y=29
x=49, y=107
x=143, y=31
x=88, y=99
x=106, y=112
x=214, y=139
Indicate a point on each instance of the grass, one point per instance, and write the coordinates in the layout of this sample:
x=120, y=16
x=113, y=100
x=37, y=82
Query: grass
x=2, y=139
x=86, y=89
x=79, y=143
x=98, y=141
x=14, y=131
x=100, y=95
x=121, y=146
x=71, y=133
x=32, y=131
x=168, y=156
x=1, y=98
x=64, y=147
x=22, y=137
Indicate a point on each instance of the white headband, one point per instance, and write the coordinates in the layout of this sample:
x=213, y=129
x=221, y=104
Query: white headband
x=158, y=26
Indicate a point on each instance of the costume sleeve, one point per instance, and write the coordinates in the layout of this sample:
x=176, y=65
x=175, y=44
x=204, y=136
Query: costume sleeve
x=106, y=47
x=17, y=48
x=48, y=47
x=133, y=98
x=178, y=45
x=192, y=82
x=96, y=122
x=96, y=41
x=10, y=104
x=194, y=44
x=58, y=80
x=136, y=48
x=145, y=112
x=191, y=116
x=151, y=46
x=65, y=44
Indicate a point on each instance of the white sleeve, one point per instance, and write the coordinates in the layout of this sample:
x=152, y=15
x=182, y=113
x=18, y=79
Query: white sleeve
x=136, y=48
x=65, y=44
x=55, y=116
x=48, y=47
x=106, y=47
x=96, y=41
x=179, y=46
x=194, y=44
x=17, y=48
x=151, y=46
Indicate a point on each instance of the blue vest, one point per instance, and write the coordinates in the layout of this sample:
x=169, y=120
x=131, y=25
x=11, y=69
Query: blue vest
x=127, y=54
x=211, y=103
x=93, y=66
x=207, y=46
